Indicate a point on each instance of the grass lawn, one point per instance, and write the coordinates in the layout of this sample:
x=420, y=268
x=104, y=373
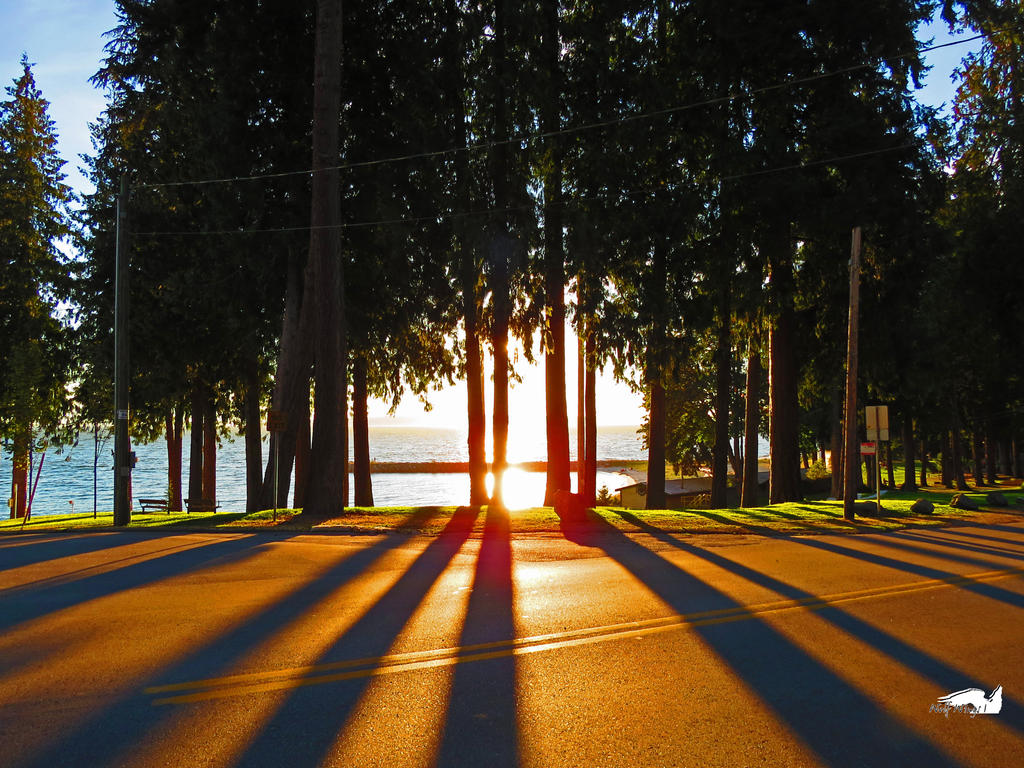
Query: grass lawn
x=800, y=517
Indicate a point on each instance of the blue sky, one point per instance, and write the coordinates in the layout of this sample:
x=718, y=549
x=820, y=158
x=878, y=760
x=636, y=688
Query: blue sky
x=65, y=38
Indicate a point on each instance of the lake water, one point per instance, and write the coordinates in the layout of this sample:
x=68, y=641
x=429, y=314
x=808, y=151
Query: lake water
x=68, y=475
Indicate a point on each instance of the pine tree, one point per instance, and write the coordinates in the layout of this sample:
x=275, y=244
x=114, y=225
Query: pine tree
x=34, y=218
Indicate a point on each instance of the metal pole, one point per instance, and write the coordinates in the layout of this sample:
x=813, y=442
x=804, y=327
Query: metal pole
x=878, y=477
x=277, y=453
x=122, y=464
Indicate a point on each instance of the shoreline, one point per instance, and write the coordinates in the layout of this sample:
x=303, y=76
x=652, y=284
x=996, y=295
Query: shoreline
x=462, y=467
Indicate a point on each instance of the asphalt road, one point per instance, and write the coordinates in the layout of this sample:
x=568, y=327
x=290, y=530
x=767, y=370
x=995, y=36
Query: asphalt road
x=593, y=648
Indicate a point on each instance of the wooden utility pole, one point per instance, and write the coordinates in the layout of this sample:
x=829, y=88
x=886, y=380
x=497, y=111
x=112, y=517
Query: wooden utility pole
x=851, y=454
x=122, y=457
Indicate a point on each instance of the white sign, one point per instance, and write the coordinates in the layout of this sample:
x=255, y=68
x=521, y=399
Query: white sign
x=878, y=422
x=868, y=449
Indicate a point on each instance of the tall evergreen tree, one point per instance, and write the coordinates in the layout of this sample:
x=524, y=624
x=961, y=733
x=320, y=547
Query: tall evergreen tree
x=34, y=218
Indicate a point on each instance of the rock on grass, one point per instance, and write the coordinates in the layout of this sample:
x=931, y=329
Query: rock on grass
x=962, y=501
x=922, y=507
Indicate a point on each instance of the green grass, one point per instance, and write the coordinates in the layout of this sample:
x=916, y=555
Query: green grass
x=799, y=517
x=146, y=520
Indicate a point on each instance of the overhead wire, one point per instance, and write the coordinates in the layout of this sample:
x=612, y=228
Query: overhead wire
x=529, y=137
x=438, y=217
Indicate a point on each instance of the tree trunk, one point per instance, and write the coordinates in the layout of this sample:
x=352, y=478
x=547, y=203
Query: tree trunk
x=581, y=394
x=924, y=464
x=173, y=425
x=556, y=411
x=947, y=462
x=656, y=448
x=888, y=466
x=909, y=482
x=783, y=424
x=291, y=392
x=1015, y=458
x=850, y=452
x=477, y=414
x=468, y=271
x=557, y=421
x=361, y=434
x=836, y=464
x=590, y=446
x=20, y=474
x=751, y=427
x=209, y=447
x=978, y=455
x=783, y=420
x=253, y=439
x=325, y=276
x=655, y=373
x=301, y=450
x=958, y=464
x=195, y=453
x=723, y=368
x=345, y=449
x=499, y=347
x=736, y=460
x=500, y=250
x=991, y=448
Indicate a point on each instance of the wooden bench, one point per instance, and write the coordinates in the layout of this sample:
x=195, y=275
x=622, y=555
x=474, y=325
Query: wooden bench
x=201, y=505
x=160, y=505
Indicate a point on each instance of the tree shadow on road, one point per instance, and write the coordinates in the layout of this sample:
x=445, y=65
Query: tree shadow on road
x=950, y=541
x=958, y=530
x=919, y=661
x=482, y=726
x=113, y=728
x=303, y=731
x=978, y=587
x=22, y=604
x=834, y=719
x=46, y=547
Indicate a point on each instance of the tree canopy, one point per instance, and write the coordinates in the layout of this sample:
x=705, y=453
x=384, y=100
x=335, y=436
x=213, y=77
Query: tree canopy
x=677, y=179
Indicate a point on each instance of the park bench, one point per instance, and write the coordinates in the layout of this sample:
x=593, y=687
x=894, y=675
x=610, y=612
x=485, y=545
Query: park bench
x=160, y=505
x=201, y=505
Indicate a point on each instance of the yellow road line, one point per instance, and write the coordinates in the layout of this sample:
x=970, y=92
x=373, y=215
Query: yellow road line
x=299, y=677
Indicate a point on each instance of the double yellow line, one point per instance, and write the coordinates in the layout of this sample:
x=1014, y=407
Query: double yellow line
x=319, y=674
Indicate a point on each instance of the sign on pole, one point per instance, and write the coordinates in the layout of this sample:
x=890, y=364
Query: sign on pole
x=277, y=421
x=868, y=449
x=878, y=422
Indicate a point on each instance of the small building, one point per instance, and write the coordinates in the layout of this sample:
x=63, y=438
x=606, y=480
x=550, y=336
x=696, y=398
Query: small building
x=679, y=494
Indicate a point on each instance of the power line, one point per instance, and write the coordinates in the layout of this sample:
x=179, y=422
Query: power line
x=511, y=209
x=529, y=137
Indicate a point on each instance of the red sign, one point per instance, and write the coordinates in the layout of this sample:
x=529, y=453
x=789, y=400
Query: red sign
x=277, y=421
x=868, y=449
